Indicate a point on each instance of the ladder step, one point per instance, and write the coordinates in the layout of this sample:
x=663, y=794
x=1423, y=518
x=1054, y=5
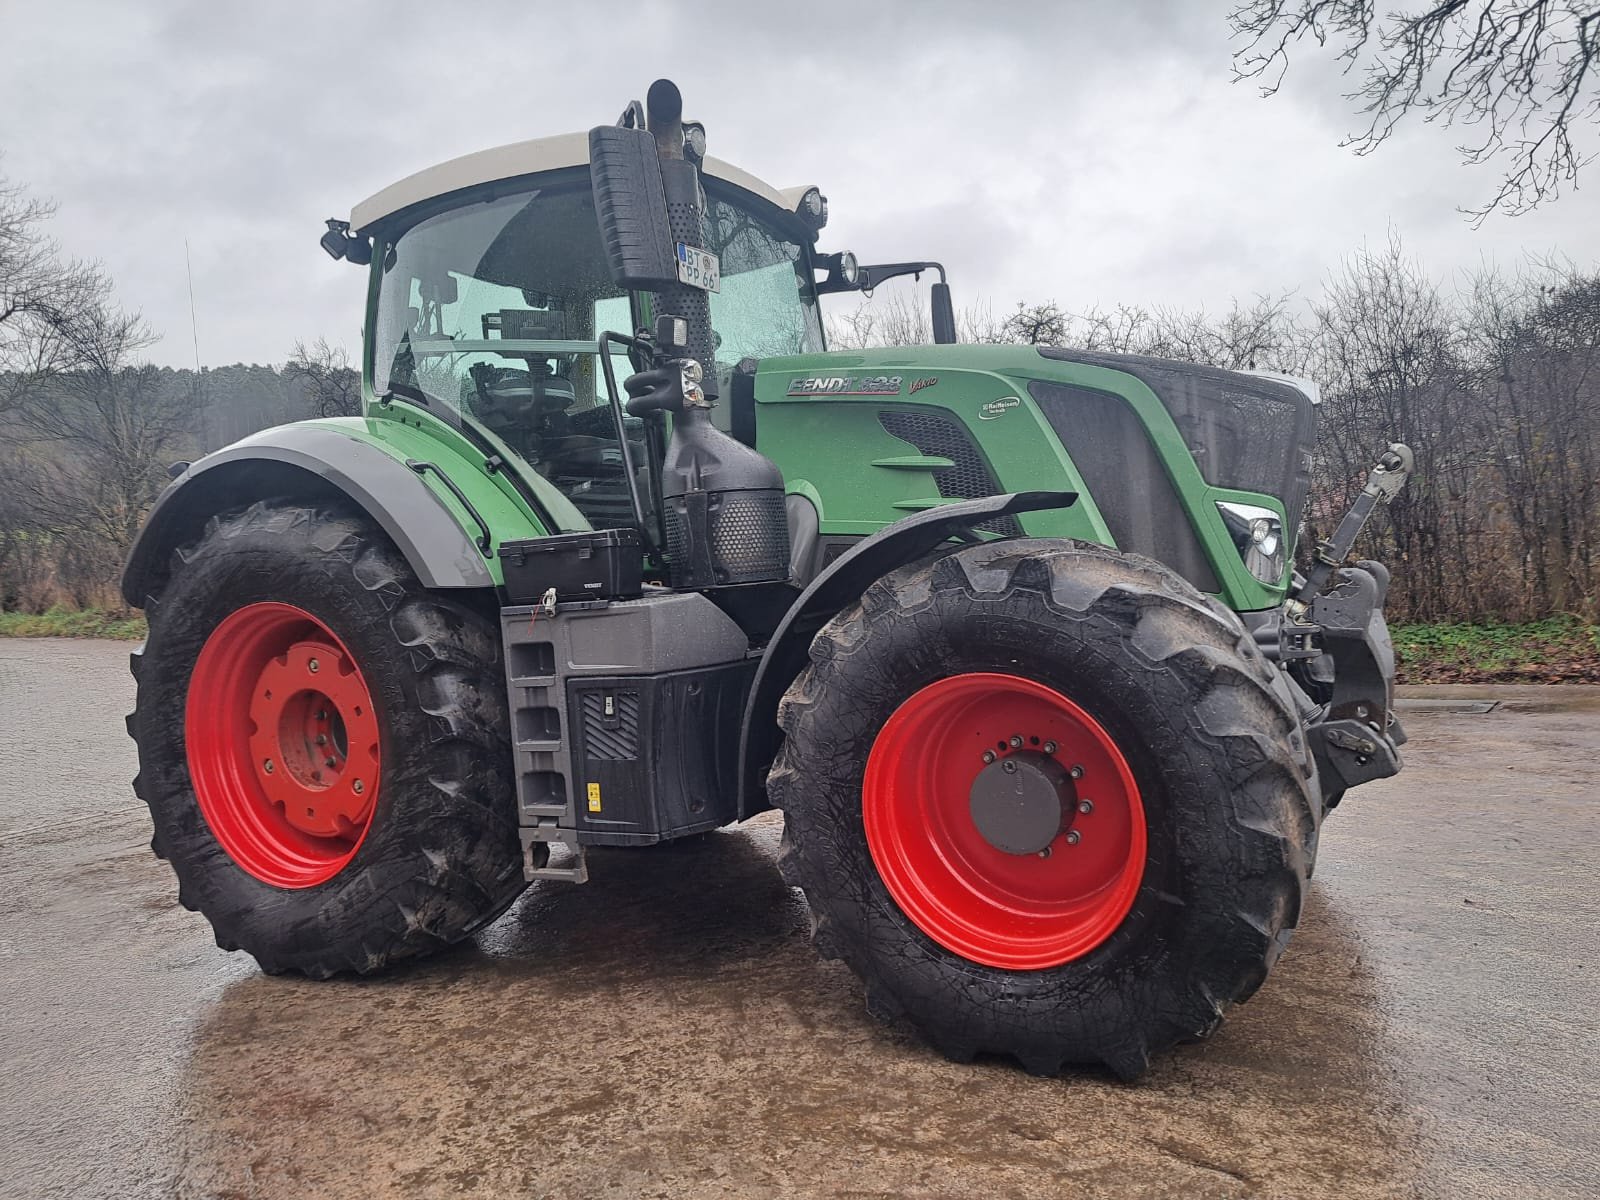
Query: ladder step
x=574, y=870
x=546, y=810
x=578, y=873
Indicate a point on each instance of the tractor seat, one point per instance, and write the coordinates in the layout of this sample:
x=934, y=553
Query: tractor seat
x=515, y=392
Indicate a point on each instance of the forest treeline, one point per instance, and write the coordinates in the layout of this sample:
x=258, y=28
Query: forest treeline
x=1494, y=381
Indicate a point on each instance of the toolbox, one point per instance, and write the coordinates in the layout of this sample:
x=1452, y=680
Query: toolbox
x=604, y=564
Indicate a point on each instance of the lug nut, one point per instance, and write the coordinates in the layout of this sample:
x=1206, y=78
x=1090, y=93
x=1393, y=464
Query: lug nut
x=358, y=787
x=330, y=762
x=1049, y=747
x=322, y=714
x=322, y=739
x=1086, y=807
x=313, y=666
x=1073, y=837
x=267, y=766
x=988, y=756
x=1045, y=853
x=1016, y=741
x=1076, y=772
x=1009, y=766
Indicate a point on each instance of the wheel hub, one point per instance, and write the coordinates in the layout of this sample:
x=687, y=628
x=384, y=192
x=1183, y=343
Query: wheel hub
x=1022, y=803
x=301, y=740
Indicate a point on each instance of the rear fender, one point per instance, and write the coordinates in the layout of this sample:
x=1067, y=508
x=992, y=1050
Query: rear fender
x=843, y=582
x=318, y=463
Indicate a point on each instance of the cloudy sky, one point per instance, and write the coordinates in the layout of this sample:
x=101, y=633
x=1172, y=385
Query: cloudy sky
x=1070, y=151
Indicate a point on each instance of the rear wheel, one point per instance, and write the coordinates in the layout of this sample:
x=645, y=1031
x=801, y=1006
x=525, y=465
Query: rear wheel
x=1046, y=800
x=324, y=746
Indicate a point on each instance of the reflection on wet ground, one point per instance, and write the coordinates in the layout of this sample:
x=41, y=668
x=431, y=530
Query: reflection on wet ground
x=667, y=1030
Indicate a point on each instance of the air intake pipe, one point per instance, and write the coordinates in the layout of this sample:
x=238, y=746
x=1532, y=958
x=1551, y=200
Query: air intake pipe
x=725, y=517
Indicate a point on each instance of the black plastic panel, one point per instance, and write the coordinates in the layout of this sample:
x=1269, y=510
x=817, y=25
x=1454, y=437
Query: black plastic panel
x=1126, y=480
x=656, y=757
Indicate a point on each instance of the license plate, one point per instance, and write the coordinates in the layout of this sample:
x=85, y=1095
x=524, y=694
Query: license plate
x=699, y=268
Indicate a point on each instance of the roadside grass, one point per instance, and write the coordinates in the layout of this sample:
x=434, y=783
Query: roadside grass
x=1555, y=650
x=59, y=621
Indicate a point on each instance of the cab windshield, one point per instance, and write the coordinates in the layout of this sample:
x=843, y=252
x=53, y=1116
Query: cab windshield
x=489, y=314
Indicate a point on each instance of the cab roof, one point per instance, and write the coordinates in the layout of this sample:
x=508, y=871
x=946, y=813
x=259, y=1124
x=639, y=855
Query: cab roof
x=527, y=158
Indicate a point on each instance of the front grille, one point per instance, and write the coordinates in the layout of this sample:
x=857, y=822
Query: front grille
x=939, y=436
x=1125, y=478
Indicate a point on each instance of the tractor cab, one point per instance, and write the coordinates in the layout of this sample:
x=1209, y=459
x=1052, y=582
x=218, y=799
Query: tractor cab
x=491, y=287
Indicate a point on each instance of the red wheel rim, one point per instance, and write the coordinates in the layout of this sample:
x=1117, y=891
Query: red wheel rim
x=282, y=744
x=1020, y=911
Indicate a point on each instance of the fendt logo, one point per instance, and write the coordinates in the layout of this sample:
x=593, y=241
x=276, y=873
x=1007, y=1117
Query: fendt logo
x=998, y=408
x=846, y=385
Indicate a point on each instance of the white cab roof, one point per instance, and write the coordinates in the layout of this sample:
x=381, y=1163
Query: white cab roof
x=527, y=158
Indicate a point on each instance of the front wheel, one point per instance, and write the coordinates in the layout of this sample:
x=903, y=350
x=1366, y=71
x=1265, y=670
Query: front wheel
x=324, y=745
x=1047, y=800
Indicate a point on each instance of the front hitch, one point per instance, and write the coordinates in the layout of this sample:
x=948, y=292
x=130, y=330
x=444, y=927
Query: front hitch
x=1339, y=611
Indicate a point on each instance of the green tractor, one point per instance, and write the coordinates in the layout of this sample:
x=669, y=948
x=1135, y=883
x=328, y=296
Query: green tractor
x=1012, y=636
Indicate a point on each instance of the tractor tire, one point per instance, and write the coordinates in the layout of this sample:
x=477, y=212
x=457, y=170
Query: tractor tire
x=1046, y=800
x=324, y=745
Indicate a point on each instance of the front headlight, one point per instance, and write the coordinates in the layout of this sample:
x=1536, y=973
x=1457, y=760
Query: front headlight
x=1258, y=535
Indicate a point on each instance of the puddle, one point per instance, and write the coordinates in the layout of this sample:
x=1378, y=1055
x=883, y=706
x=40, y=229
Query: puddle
x=1471, y=708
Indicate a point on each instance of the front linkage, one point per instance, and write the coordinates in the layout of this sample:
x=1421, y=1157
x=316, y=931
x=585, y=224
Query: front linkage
x=1335, y=640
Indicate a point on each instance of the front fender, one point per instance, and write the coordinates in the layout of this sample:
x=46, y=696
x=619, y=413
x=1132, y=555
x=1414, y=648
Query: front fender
x=319, y=461
x=840, y=584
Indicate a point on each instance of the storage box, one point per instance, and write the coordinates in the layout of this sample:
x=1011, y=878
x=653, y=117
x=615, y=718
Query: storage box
x=606, y=564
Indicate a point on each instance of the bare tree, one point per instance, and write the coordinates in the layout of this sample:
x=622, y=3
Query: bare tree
x=1038, y=324
x=331, y=384
x=1522, y=75
x=98, y=437
x=43, y=297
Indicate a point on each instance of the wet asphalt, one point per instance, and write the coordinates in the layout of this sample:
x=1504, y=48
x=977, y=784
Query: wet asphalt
x=666, y=1029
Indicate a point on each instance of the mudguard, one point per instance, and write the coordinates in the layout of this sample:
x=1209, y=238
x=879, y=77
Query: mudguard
x=317, y=461
x=840, y=584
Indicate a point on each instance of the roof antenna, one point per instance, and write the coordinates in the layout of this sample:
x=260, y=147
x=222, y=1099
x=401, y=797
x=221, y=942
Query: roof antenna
x=194, y=332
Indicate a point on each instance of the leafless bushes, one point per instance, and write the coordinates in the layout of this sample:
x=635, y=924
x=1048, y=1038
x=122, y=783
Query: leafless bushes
x=1495, y=385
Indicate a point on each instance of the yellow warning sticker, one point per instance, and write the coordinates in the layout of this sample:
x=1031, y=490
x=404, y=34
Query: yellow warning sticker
x=594, y=797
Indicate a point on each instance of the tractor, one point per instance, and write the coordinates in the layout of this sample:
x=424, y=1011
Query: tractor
x=618, y=553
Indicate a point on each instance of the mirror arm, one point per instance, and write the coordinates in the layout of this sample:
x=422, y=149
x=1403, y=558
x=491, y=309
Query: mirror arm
x=879, y=273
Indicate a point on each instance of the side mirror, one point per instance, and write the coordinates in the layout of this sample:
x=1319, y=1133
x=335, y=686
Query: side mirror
x=944, y=316
x=631, y=205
